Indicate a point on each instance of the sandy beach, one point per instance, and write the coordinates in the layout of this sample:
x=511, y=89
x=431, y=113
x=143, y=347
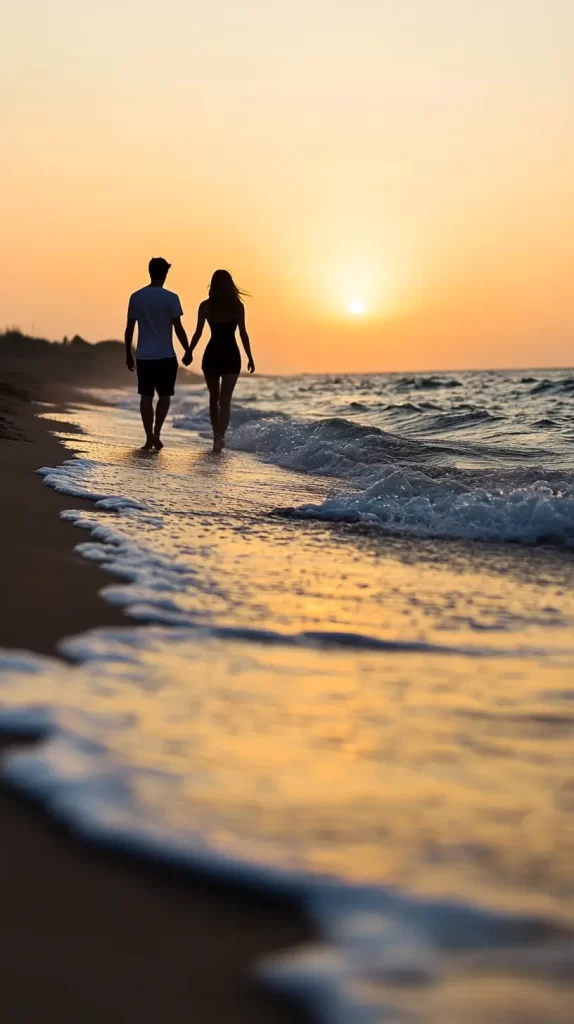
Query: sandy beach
x=86, y=935
x=37, y=546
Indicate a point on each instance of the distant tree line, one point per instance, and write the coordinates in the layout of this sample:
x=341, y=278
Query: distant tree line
x=71, y=360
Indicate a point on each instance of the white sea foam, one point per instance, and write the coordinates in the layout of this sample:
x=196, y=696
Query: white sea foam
x=167, y=577
x=405, y=485
x=410, y=502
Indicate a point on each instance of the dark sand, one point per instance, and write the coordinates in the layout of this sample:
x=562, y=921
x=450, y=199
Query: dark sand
x=87, y=936
x=48, y=591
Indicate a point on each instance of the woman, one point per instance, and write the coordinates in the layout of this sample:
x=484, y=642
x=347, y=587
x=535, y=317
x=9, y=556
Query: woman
x=224, y=312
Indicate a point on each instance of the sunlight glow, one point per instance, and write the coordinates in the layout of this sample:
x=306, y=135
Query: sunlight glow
x=356, y=307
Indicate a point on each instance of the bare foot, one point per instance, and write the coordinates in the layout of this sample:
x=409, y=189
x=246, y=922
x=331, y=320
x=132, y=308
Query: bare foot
x=148, y=446
x=158, y=445
x=218, y=443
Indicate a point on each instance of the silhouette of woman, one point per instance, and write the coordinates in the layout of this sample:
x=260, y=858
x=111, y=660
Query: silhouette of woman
x=221, y=365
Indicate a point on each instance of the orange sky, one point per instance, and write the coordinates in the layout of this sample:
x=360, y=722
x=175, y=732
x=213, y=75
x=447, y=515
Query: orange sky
x=416, y=156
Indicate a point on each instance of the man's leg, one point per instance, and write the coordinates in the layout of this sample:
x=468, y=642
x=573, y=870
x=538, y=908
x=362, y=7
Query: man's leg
x=213, y=385
x=146, y=409
x=161, y=411
x=228, y=382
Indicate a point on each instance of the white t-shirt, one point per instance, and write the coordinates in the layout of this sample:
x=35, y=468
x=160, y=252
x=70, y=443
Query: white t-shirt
x=154, y=309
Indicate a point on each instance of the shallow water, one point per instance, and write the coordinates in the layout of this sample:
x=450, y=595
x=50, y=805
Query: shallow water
x=377, y=722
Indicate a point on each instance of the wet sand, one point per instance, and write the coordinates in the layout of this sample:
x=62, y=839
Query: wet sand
x=86, y=935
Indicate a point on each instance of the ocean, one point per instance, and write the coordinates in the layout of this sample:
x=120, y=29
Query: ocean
x=346, y=675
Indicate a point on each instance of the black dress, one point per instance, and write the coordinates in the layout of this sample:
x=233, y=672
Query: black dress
x=222, y=352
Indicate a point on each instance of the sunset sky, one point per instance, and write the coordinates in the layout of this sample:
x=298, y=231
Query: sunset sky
x=411, y=160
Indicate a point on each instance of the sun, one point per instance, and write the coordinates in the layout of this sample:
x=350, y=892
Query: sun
x=356, y=307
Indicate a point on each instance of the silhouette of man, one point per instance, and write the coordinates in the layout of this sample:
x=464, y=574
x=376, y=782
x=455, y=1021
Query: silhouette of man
x=157, y=313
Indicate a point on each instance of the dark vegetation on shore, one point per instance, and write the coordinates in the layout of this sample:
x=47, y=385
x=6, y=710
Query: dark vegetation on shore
x=73, y=362
x=36, y=369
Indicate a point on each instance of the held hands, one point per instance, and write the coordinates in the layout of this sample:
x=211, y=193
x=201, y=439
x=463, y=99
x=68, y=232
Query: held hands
x=188, y=358
x=130, y=362
x=251, y=366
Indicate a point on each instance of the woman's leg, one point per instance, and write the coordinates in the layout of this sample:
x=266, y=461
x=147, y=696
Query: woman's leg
x=228, y=382
x=214, y=387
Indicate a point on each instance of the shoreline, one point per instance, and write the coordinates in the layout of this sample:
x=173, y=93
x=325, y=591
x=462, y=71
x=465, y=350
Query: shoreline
x=90, y=934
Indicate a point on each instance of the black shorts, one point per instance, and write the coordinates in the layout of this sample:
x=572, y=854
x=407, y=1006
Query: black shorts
x=156, y=375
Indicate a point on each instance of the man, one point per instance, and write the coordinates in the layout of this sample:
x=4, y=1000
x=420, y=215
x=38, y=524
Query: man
x=157, y=312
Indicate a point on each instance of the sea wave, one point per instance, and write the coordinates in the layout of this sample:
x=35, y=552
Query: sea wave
x=411, y=502
x=337, y=445
x=333, y=446
x=325, y=424
x=557, y=387
x=425, y=383
x=406, y=485
x=195, y=416
x=356, y=452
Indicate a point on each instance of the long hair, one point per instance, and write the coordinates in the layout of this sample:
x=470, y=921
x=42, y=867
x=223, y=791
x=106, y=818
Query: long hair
x=224, y=295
